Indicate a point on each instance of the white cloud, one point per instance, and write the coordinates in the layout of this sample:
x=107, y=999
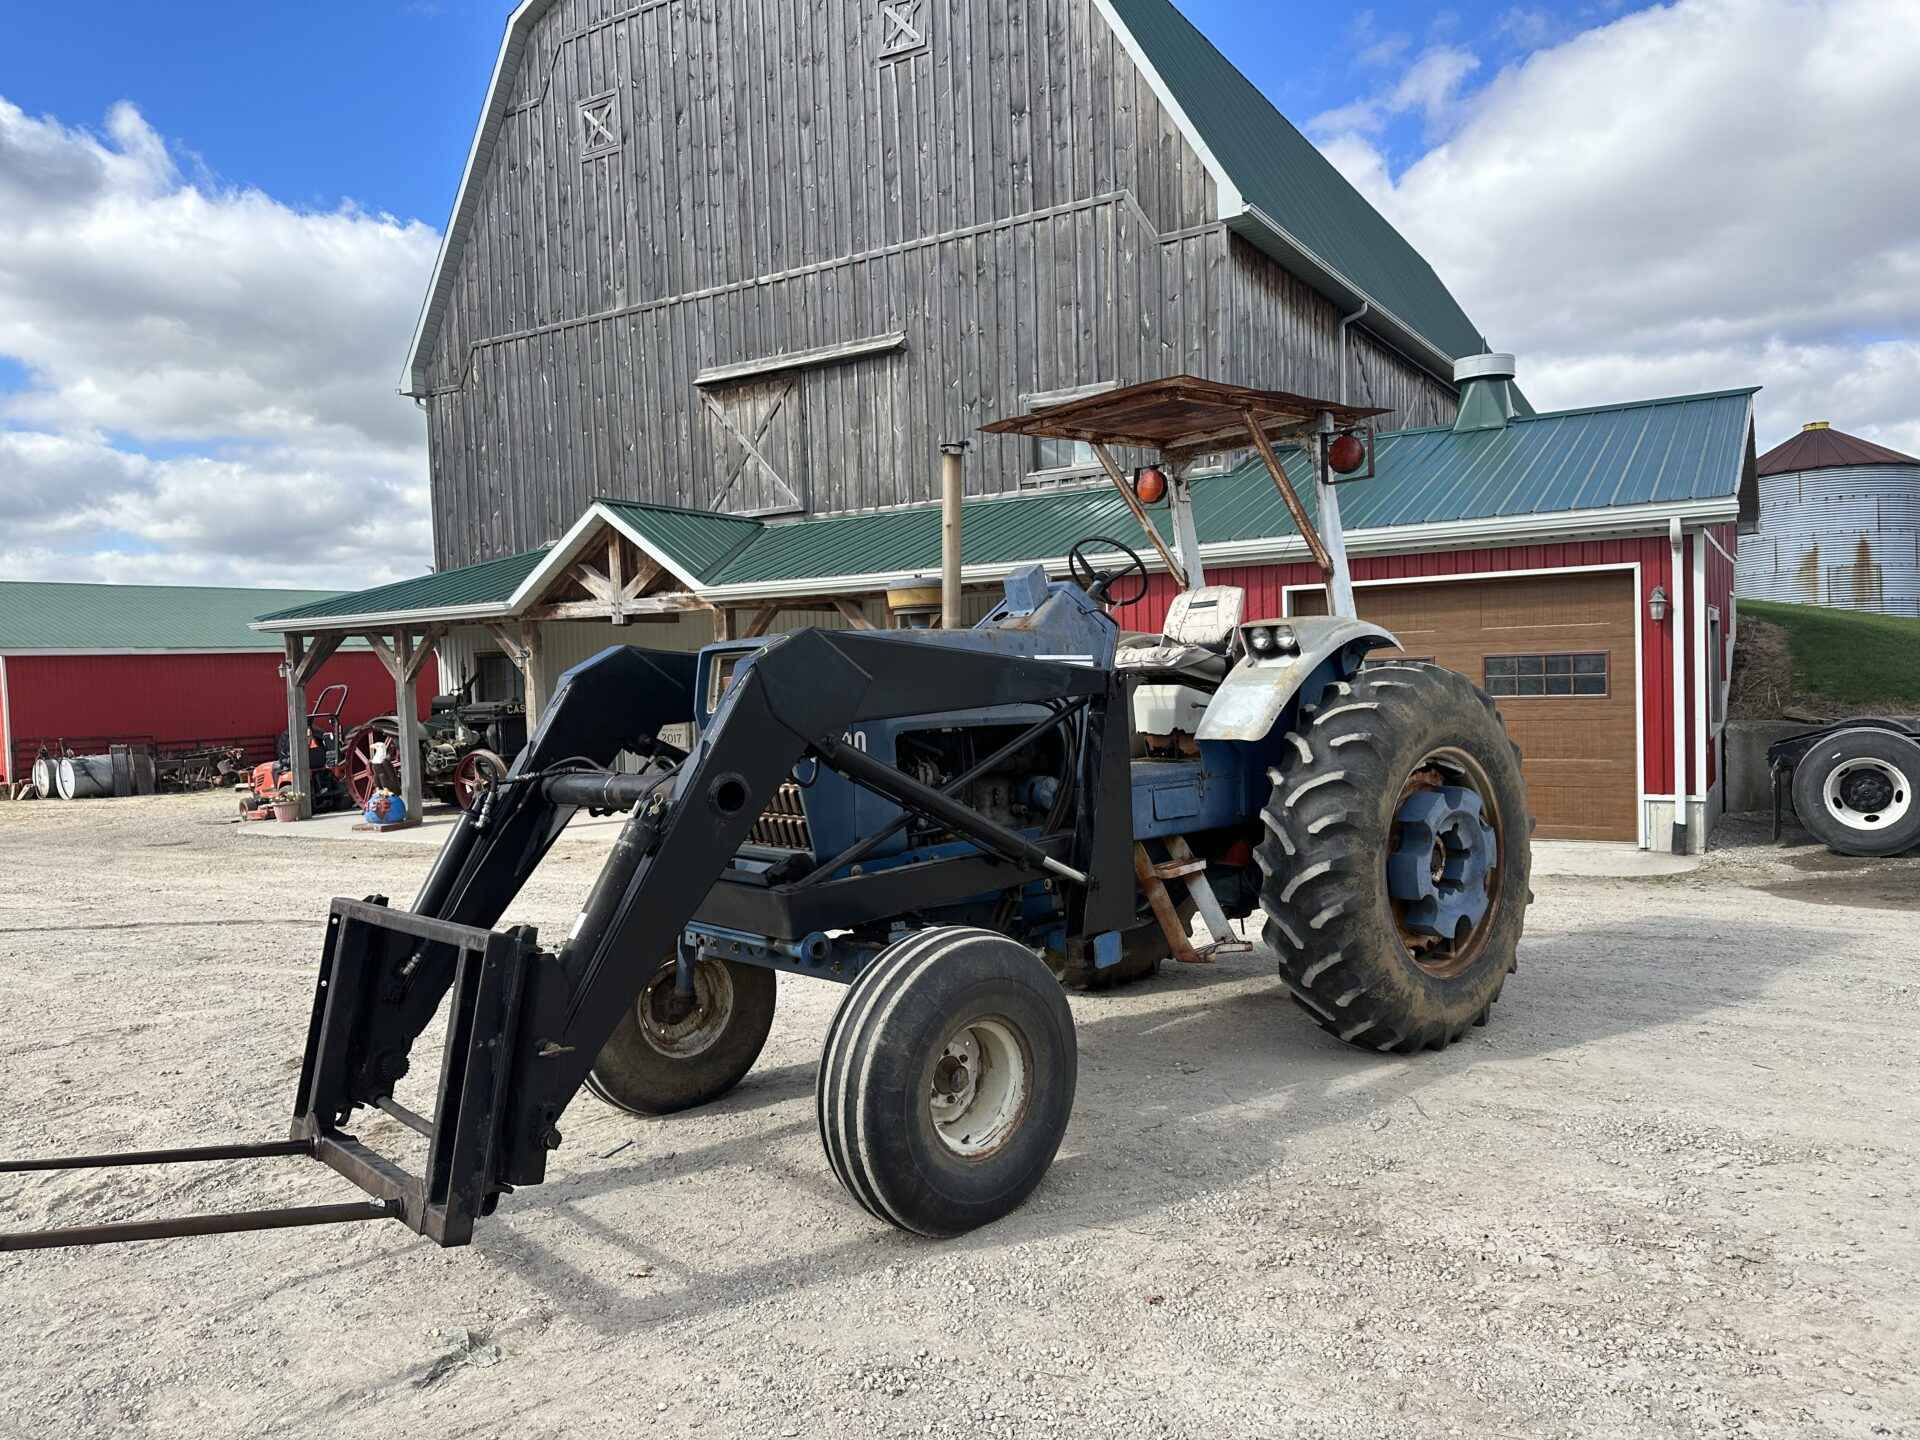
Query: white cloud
x=211, y=372
x=1709, y=193
x=1430, y=87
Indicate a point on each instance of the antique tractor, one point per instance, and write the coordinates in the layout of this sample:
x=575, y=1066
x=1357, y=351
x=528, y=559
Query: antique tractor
x=946, y=823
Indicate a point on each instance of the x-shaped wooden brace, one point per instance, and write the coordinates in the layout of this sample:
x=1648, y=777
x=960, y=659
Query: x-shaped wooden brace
x=598, y=118
x=902, y=32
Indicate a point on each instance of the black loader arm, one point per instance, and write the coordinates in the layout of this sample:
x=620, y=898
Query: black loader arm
x=797, y=698
x=524, y=1026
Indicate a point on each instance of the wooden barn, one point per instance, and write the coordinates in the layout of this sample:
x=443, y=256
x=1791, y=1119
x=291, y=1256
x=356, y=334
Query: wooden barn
x=724, y=277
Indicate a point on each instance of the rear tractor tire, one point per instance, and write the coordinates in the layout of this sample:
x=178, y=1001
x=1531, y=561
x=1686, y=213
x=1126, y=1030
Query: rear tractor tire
x=1855, y=792
x=947, y=1080
x=1397, y=858
x=659, y=1061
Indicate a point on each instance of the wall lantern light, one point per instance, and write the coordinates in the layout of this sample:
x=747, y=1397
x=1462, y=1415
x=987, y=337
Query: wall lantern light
x=1657, y=604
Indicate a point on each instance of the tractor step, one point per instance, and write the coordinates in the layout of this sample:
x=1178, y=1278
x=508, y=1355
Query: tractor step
x=372, y=955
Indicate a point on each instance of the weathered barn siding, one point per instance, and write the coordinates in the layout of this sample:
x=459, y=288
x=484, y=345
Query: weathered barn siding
x=1010, y=198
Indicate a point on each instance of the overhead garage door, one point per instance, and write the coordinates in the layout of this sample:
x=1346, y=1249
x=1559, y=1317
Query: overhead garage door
x=1557, y=653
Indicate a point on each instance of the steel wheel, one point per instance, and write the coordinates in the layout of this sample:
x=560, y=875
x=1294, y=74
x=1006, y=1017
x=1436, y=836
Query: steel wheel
x=1868, y=793
x=476, y=774
x=360, y=779
x=980, y=1088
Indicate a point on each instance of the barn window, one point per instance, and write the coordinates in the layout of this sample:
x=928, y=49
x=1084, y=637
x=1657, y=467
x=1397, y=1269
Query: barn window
x=903, y=28
x=1053, y=461
x=600, y=125
x=1524, y=675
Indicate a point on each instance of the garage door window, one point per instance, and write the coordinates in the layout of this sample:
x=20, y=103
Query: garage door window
x=1524, y=675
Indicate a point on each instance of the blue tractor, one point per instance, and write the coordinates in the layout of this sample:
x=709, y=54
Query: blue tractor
x=950, y=824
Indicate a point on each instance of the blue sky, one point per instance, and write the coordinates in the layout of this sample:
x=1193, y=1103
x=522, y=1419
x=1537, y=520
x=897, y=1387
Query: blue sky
x=217, y=223
x=375, y=103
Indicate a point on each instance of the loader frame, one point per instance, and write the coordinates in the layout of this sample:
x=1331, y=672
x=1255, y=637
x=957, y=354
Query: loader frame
x=525, y=1024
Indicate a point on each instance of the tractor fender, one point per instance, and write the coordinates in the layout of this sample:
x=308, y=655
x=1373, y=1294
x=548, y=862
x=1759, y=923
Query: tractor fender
x=1261, y=688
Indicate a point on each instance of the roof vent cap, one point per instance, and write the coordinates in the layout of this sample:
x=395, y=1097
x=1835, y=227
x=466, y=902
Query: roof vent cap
x=1816, y=425
x=1484, y=367
x=1486, y=392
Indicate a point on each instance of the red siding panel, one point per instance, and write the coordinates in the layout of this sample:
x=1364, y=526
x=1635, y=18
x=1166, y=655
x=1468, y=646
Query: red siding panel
x=92, y=700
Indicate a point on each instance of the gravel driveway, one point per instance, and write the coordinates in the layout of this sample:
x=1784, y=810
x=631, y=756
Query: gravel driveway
x=1669, y=1192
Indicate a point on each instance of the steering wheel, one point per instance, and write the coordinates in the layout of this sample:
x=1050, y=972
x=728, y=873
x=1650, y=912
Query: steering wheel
x=1099, y=583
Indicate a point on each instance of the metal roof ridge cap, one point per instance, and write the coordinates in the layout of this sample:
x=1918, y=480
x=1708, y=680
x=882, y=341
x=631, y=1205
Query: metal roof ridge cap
x=1648, y=404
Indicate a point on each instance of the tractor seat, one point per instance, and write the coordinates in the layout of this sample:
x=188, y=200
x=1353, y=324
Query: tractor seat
x=1198, y=643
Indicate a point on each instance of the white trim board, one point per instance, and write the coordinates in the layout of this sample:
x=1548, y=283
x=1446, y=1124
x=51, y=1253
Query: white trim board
x=6, y=723
x=1631, y=567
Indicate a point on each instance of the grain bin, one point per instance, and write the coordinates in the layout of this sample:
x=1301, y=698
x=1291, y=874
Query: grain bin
x=1839, y=525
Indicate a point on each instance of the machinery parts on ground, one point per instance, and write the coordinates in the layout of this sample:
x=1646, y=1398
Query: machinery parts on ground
x=1852, y=785
x=949, y=823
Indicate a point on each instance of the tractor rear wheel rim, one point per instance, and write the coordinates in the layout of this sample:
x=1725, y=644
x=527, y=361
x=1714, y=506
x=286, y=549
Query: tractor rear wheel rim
x=1868, y=793
x=698, y=1031
x=981, y=1086
x=1441, y=957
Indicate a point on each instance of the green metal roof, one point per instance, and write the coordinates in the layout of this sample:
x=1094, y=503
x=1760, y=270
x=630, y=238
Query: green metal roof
x=1675, y=451
x=490, y=583
x=1685, y=449
x=1277, y=169
x=698, y=541
x=47, y=615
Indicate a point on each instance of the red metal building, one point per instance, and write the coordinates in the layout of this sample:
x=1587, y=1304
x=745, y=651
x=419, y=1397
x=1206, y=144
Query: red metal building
x=174, y=667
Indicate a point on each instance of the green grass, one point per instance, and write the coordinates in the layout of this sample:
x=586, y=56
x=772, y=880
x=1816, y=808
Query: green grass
x=1846, y=656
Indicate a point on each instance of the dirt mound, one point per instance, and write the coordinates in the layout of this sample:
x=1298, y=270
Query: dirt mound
x=1762, y=684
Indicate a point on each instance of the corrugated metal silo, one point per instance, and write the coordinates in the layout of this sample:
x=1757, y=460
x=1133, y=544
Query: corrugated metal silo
x=1839, y=525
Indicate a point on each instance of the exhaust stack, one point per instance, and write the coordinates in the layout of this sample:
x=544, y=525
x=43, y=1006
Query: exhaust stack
x=1486, y=392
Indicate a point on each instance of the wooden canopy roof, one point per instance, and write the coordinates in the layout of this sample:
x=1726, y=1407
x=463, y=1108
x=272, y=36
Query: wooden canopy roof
x=1181, y=416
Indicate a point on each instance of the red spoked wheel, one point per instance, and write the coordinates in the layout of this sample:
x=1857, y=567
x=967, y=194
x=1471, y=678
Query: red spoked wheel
x=476, y=774
x=360, y=779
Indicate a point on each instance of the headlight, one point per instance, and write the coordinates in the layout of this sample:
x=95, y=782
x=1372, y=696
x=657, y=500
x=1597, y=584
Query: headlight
x=1261, y=640
x=1285, y=640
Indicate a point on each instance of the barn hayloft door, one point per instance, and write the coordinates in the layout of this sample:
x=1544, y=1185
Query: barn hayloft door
x=758, y=431
x=757, y=422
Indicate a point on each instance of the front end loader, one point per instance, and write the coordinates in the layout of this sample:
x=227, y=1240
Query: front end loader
x=949, y=824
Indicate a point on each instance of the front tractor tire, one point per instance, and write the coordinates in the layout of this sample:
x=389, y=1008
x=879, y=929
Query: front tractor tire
x=1396, y=858
x=947, y=1080
x=665, y=1057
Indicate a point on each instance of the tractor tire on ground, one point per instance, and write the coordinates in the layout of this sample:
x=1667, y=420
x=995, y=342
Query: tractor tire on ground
x=1396, y=858
x=1855, y=792
x=656, y=1065
x=947, y=1081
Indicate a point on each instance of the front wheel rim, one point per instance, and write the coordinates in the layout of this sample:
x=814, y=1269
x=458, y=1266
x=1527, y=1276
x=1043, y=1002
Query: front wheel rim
x=700, y=1030
x=1868, y=793
x=980, y=1089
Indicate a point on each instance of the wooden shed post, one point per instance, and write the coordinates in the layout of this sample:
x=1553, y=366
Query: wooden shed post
x=304, y=659
x=406, y=674
x=298, y=759
x=536, y=682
